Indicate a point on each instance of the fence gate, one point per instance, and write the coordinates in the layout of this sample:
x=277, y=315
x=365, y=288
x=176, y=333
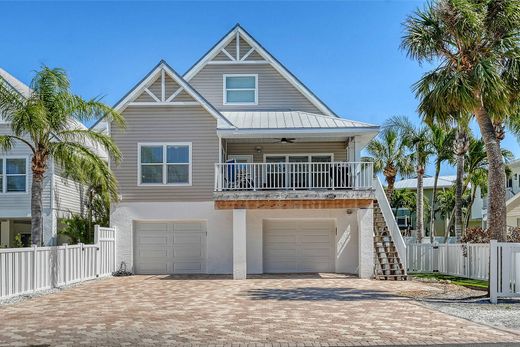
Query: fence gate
x=504, y=270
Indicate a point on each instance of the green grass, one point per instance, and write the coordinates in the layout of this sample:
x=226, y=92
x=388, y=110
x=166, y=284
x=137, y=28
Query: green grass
x=460, y=281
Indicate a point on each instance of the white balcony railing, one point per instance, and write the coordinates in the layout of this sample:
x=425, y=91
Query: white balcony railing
x=293, y=176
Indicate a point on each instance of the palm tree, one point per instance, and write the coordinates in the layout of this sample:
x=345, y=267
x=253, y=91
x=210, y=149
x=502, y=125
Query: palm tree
x=47, y=123
x=460, y=148
x=389, y=154
x=476, y=46
x=441, y=139
x=416, y=139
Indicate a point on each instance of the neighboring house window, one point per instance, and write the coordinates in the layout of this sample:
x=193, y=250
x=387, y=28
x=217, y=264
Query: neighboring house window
x=168, y=164
x=240, y=89
x=13, y=175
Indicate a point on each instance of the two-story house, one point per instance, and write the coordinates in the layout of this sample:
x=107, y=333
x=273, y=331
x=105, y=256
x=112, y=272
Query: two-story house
x=61, y=196
x=237, y=167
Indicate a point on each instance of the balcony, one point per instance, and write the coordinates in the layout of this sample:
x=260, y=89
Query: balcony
x=293, y=181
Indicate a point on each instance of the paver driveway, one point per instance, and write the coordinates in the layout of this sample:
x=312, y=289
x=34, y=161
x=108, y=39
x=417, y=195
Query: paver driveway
x=216, y=310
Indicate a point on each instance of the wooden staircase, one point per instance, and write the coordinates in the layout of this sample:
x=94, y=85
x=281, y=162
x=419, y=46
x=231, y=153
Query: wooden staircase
x=388, y=266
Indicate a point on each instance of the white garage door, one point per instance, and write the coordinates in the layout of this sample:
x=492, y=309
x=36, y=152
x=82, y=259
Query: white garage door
x=170, y=247
x=298, y=246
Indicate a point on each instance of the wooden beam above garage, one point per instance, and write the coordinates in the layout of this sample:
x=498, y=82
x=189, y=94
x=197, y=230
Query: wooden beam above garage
x=292, y=204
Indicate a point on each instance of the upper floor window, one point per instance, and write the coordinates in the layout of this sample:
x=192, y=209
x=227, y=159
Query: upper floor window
x=13, y=175
x=165, y=164
x=240, y=89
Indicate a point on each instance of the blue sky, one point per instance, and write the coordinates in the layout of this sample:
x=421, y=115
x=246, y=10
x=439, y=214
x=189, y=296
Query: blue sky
x=347, y=52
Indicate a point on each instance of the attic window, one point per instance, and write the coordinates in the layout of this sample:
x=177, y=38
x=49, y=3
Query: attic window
x=240, y=89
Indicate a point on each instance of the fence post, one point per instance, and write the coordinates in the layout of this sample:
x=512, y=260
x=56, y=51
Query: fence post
x=65, y=265
x=35, y=262
x=435, y=256
x=98, y=250
x=81, y=261
x=493, y=275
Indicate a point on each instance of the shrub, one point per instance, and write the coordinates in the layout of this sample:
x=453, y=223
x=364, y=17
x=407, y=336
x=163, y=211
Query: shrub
x=480, y=235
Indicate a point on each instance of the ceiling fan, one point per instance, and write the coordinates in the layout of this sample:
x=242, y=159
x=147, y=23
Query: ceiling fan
x=285, y=140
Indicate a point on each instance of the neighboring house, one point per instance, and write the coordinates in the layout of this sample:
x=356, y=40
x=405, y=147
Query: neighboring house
x=61, y=201
x=237, y=167
x=513, y=194
x=441, y=223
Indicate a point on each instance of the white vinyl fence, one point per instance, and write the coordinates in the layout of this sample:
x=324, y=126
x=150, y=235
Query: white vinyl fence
x=504, y=270
x=470, y=260
x=27, y=270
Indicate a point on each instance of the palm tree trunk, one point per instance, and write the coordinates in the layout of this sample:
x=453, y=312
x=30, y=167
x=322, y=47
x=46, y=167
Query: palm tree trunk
x=36, y=208
x=458, y=196
x=420, y=203
x=496, y=177
x=390, y=180
x=434, y=197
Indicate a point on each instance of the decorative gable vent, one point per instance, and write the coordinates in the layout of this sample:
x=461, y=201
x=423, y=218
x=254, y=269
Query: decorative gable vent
x=163, y=90
x=237, y=50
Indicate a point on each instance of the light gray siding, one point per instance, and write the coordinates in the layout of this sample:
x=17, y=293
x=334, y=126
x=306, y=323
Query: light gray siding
x=274, y=91
x=336, y=148
x=19, y=204
x=68, y=197
x=167, y=124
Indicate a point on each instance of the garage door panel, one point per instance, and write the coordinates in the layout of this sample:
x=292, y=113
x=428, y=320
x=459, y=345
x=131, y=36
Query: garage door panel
x=174, y=247
x=299, y=246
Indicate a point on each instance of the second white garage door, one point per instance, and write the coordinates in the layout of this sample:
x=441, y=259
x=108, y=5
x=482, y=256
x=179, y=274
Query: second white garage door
x=298, y=246
x=170, y=247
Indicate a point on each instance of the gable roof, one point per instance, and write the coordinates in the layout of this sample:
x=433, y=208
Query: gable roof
x=151, y=77
x=238, y=32
x=15, y=84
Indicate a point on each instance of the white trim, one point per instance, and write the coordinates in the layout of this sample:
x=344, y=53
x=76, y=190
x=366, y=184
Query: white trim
x=163, y=85
x=248, y=53
x=285, y=132
x=176, y=103
x=244, y=62
x=248, y=157
x=309, y=155
x=177, y=92
x=149, y=92
x=3, y=188
x=164, y=164
x=225, y=89
x=237, y=42
x=228, y=54
x=268, y=57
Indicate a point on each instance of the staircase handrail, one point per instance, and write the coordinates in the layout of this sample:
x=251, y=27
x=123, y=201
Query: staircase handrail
x=390, y=221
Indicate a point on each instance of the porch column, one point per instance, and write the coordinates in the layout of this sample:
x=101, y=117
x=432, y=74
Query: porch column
x=5, y=233
x=365, y=221
x=239, y=244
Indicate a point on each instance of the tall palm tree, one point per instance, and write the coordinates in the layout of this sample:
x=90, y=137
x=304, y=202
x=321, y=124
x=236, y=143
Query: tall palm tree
x=441, y=139
x=47, y=123
x=417, y=139
x=476, y=46
x=389, y=154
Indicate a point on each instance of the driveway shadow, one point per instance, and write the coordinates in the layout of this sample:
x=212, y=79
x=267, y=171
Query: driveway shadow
x=319, y=294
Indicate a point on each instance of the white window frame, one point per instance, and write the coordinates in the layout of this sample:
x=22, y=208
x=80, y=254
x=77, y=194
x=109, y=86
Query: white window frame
x=3, y=188
x=308, y=155
x=225, y=89
x=164, y=164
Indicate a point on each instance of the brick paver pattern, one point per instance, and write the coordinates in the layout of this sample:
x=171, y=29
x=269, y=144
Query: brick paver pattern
x=272, y=310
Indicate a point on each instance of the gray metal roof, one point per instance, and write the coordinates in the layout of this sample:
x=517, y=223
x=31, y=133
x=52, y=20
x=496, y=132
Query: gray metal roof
x=17, y=85
x=411, y=183
x=287, y=120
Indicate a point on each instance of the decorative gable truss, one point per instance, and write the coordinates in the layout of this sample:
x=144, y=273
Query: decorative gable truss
x=165, y=87
x=236, y=50
x=163, y=90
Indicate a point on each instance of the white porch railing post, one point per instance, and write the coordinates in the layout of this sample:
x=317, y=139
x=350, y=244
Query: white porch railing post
x=81, y=261
x=34, y=267
x=65, y=264
x=98, y=250
x=493, y=273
